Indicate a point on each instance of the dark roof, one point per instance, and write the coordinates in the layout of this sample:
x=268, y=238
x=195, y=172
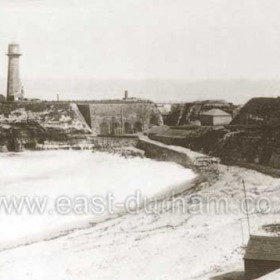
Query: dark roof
x=215, y=112
x=263, y=248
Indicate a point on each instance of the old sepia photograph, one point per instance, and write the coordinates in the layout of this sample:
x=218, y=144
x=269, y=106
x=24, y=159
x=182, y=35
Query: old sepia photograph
x=139, y=139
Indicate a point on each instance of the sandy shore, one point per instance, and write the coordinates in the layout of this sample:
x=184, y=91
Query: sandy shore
x=162, y=245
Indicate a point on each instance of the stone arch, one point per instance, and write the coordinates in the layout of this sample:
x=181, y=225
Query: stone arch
x=127, y=128
x=104, y=128
x=116, y=128
x=138, y=127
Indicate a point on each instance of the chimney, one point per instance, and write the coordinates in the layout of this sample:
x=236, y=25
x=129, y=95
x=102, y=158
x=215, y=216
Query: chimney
x=125, y=95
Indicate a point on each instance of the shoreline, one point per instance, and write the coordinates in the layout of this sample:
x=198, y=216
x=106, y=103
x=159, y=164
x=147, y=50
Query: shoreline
x=91, y=221
x=204, y=231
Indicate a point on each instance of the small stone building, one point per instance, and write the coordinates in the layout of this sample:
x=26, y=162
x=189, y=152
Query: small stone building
x=262, y=256
x=215, y=117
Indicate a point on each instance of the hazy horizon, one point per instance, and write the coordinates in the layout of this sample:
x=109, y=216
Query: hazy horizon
x=164, y=50
x=158, y=90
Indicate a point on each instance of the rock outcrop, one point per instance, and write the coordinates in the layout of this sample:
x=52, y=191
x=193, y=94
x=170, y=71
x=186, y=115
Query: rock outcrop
x=24, y=125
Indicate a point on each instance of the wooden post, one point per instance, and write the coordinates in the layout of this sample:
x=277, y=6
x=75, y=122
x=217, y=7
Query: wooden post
x=242, y=232
x=247, y=212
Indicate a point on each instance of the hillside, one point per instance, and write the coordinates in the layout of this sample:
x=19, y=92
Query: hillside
x=188, y=113
x=259, y=111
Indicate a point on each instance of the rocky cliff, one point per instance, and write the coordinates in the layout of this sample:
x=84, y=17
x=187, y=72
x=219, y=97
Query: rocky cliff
x=23, y=125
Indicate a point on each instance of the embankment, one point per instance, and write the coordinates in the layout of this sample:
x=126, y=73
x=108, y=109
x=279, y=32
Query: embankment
x=207, y=167
x=159, y=151
x=253, y=146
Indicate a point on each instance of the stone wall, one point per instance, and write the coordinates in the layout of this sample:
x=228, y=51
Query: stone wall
x=115, y=141
x=119, y=118
x=84, y=110
x=156, y=150
x=207, y=167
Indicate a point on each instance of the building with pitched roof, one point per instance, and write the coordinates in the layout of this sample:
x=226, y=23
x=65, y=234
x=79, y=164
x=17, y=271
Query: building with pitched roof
x=215, y=117
x=262, y=256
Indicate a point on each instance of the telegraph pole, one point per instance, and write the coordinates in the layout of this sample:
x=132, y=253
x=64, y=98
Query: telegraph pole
x=242, y=232
x=247, y=211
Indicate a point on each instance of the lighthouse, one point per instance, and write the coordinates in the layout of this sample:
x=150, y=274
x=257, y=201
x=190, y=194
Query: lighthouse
x=14, y=86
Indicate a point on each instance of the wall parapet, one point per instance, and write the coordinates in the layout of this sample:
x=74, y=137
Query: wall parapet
x=200, y=163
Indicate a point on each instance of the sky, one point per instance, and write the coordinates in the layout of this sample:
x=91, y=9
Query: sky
x=143, y=39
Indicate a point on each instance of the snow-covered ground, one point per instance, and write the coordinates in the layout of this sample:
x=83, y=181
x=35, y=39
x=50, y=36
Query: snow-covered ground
x=167, y=244
x=77, y=175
